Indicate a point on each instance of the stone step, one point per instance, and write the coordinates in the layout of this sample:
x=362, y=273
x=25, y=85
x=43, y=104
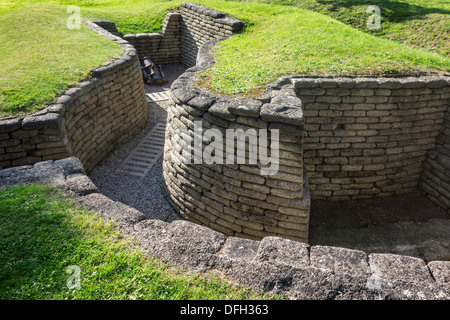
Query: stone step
x=143, y=157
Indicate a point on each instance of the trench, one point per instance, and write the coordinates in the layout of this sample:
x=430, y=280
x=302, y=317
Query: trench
x=408, y=224
x=405, y=221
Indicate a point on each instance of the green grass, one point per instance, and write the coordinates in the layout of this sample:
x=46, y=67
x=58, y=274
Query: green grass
x=281, y=38
x=285, y=40
x=40, y=57
x=42, y=233
x=419, y=23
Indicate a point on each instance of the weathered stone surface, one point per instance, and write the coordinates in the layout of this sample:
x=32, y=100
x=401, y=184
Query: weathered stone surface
x=215, y=120
x=440, y=271
x=220, y=109
x=201, y=102
x=41, y=172
x=283, y=251
x=10, y=124
x=204, y=58
x=49, y=120
x=71, y=165
x=119, y=213
x=340, y=260
x=252, y=178
x=435, y=251
x=239, y=248
x=245, y=107
x=390, y=267
x=286, y=97
x=282, y=113
x=287, y=129
x=79, y=185
x=296, y=282
x=252, y=122
x=196, y=236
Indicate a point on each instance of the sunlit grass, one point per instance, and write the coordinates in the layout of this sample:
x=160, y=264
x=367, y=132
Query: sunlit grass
x=43, y=233
x=279, y=39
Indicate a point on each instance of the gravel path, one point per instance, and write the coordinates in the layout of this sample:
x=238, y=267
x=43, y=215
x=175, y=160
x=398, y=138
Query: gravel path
x=145, y=193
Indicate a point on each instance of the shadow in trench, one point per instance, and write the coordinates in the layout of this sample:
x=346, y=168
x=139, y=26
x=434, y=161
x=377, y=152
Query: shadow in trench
x=142, y=192
x=408, y=224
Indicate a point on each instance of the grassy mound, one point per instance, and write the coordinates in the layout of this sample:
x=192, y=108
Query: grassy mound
x=279, y=39
x=132, y=16
x=283, y=40
x=40, y=57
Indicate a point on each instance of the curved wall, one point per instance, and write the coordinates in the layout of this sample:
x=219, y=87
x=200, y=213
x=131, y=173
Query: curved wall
x=199, y=25
x=355, y=138
x=236, y=198
x=108, y=109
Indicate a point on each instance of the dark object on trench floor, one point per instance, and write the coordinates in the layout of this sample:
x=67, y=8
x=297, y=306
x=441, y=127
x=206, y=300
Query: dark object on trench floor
x=153, y=74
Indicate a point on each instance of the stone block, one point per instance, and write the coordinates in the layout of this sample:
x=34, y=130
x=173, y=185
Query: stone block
x=238, y=248
x=10, y=124
x=285, y=251
x=282, y=114
x=390, y=267
x=245, y=107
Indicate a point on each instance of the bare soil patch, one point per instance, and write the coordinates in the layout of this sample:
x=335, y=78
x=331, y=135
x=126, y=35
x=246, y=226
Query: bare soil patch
x=413, y=206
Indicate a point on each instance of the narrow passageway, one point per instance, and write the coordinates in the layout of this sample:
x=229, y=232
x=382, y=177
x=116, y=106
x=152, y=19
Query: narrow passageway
x=132, y=174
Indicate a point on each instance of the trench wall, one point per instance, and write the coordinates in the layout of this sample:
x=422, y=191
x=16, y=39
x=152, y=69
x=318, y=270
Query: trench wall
x=368, y=137
x=87, y=121
x=363, y=137
x=182, y=34
x=199, y=25
x=162, y=48
x=354, y=138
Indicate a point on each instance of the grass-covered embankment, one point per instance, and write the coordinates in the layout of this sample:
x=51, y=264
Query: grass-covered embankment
x=283, y=40
x=40, y=57
x=419, y=23
x=278, y=40
x=43, y=233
